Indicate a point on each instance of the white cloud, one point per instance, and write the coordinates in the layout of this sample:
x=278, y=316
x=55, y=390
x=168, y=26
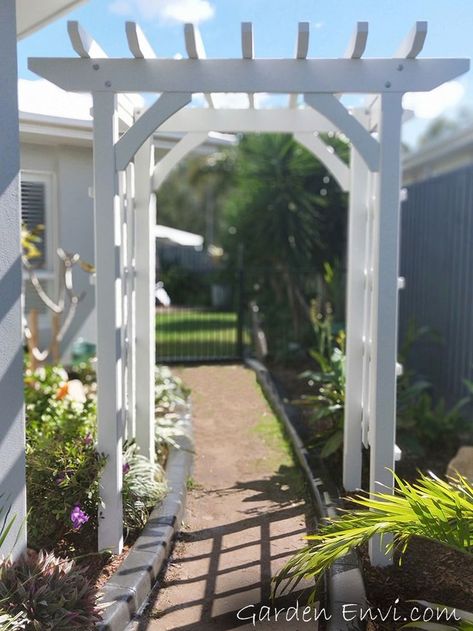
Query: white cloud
x=43, y=97
x=431, y=104
x=166, y=10
x=121, y=7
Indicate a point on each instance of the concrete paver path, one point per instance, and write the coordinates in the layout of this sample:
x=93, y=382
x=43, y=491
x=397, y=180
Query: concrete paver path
x=246, y=513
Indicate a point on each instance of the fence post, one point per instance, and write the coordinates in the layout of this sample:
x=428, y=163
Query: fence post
x=12, y=425
x=241, y=304
x=108, y=299
x=130, y=303
x=382, y=432
x=145, y=252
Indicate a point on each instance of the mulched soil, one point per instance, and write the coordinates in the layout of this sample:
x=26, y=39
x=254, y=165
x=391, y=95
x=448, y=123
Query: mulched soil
x=429, y=571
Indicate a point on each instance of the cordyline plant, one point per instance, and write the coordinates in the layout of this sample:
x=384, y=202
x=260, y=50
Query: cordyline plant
x=47, y=592
x=431, y=508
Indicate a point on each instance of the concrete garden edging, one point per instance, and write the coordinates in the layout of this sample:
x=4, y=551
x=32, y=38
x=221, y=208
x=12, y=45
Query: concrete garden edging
x=344, y=580
x=127, y=590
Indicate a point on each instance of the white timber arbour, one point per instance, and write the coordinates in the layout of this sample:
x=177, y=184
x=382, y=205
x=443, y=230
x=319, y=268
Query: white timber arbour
x=126, y=176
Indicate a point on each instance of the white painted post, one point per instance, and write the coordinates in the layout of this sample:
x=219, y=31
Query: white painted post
x=367, y=308
x=12, y=425
x=145, y=310
x=382, y=431
x=357, y=216
x=108, y=297
x=131, y=306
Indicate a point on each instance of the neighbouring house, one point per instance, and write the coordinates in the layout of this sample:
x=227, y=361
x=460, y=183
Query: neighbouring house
x=57, y=192
x=437, y=260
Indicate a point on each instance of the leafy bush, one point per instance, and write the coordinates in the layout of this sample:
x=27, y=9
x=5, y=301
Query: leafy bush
x=59, y=477
x=54, y=410
x=441, y=511
x=328, y=403
x=47, y=593
x=144, y=484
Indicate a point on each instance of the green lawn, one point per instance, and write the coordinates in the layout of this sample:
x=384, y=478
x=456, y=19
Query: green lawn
x=195, y=334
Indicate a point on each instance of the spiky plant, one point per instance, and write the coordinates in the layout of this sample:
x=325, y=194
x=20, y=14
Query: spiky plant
x=431, y=508
x=6, y=523
x=12, y=623
x=144, y=485
x=48, y=592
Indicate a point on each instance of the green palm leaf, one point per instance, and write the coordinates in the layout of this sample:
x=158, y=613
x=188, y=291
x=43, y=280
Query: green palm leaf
x=430, y=508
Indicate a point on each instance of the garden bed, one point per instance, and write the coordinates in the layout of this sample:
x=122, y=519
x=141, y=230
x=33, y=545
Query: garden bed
x=55, y=585
x=429, y=571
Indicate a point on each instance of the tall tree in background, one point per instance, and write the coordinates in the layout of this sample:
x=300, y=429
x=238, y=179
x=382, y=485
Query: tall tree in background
x=290, y=217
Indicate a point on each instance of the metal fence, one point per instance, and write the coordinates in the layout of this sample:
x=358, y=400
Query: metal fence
x=437, y=262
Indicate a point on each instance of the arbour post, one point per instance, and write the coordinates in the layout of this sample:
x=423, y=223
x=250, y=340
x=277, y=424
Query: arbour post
x=382, y=430
x=130, y=303
x=145, y=261
x=12, y=426
x=110, y=412
x=357, y=219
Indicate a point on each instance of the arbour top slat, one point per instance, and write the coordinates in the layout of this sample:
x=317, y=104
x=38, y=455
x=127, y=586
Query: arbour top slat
x=373, y=180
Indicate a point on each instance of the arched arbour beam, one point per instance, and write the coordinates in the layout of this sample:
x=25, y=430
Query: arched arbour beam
x=185, y=146
x=163, y=108
x=361, y=139
x=327, y=157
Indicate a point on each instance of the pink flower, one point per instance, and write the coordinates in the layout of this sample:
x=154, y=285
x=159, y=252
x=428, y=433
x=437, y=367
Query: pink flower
x=125, y=468
x=78, y=517
x=88, y=440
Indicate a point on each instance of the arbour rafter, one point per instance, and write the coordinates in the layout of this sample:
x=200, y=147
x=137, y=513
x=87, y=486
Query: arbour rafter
x=374, y=185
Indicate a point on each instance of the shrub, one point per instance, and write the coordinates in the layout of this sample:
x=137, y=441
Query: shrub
x=59, y=477
x=48, y=593
x=329, y=402
x=53, y=410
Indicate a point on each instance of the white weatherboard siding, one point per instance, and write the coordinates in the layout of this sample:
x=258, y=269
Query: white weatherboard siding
x=12, y=427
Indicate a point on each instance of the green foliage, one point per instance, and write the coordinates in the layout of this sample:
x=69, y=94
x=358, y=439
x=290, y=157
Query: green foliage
x=329, y=402
x=289, y=216
x=48, y=593
x=437, y=510
x=424, y=424
x=6, y=523
x=51, y=413
x=62, y=465
x=144, y=485
x=169, y=391
x=59, y=476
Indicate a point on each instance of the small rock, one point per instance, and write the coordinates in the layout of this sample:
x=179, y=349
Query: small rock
x=462, y=463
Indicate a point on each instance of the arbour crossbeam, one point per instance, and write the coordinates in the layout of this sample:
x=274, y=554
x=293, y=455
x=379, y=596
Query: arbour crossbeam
x=124, y=212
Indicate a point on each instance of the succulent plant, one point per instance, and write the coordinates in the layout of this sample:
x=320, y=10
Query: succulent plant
x=47, y=592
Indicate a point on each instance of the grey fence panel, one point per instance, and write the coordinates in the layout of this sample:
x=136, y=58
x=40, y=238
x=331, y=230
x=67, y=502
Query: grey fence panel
x=437, y=262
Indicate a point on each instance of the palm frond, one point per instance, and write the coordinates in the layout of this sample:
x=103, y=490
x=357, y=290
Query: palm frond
x=430, y=508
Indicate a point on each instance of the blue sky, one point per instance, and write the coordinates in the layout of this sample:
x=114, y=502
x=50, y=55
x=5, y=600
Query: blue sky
x=275, y=26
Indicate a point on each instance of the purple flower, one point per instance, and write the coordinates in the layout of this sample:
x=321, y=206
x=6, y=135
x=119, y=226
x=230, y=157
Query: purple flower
x=60, y=478
x=88, y=440
x=125, y=468
x=78, y=517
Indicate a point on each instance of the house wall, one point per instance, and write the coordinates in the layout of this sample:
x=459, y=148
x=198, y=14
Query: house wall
x=72, y=210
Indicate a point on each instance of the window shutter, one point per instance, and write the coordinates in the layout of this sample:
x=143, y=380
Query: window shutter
x=33, y=213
